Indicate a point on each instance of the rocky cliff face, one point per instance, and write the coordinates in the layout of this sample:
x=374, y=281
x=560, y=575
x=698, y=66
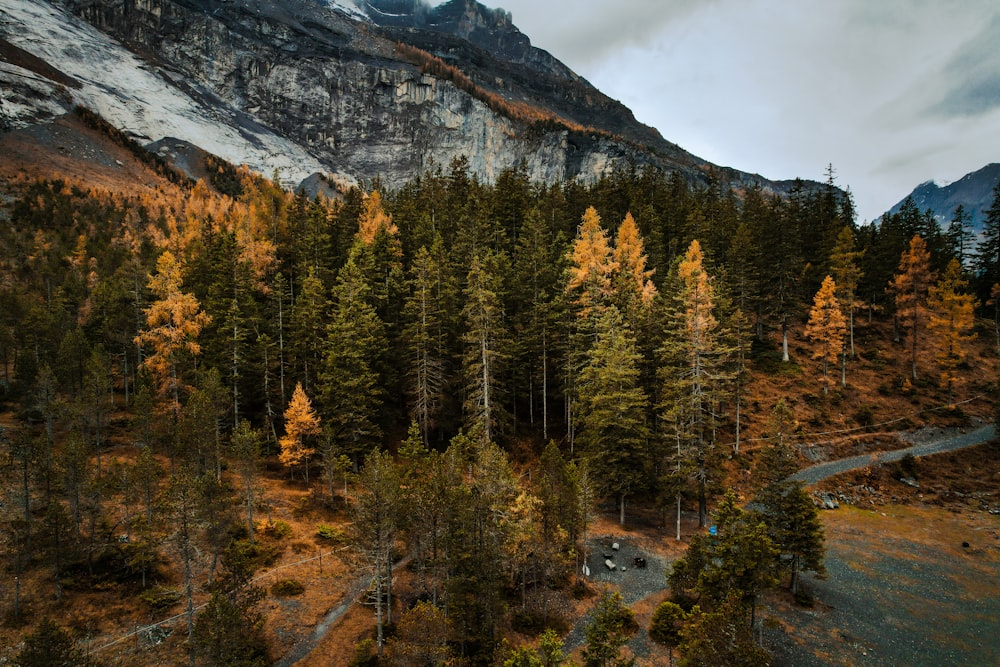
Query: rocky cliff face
x=333, y=86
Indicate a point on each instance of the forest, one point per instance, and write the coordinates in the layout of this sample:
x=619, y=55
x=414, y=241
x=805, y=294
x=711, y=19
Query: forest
x=467, y=371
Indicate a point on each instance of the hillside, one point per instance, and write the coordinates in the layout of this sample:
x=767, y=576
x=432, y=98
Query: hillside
x=145, y=315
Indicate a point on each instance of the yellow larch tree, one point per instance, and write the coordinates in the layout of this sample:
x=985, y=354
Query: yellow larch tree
x=827, y=327
x=951, y=320
x=300, y=421
x=173, y=322
x=591, y=264
x=373, y=219
x=633, y=278
x=910, y=287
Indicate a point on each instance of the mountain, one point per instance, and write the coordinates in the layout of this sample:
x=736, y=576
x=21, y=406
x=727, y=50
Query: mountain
x=974, y=191
x=353, y=89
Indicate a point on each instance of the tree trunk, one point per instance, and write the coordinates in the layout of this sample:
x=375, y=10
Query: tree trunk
x=678, y=516
x=621, y=511
x=784, y=341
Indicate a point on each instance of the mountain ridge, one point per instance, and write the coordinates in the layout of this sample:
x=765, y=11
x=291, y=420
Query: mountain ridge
x=305, y=87
x=973, y=191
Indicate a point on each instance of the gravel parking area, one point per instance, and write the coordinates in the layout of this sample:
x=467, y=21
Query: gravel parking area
x=895, y=596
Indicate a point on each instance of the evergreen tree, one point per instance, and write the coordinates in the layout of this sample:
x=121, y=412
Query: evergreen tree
x=307, y=324
x=720, y=636
x=229, y=631
x=49, y=645
x=958, y=234
x=666, y=625
x=826, y=327
x=610, y=627
x=425, y=341
x=910, y=287
x=950, y=323
x=245, y=445
x=375, y=523
x=486, y=347
x=845, y=269
x=355, y=348
x=613, y=406
x=987, y=262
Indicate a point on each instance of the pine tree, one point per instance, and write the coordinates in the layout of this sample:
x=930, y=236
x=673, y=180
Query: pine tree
x=307, y=327
x=613, y=406
x=355, y=348
x=845, y=269
x=424, y=338
x=300, y=422
x=826, y=327
x=49, y=645
x=720, y=637
x=958, y=234
x=950, y=323
x=486, y=347
x=910, y=287
x=608, y=631
x=987, y=263
x=787, y=510
x=375, y=523
x=245, y=445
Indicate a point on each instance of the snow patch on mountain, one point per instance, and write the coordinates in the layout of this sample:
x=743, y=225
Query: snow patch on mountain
x=142, y=100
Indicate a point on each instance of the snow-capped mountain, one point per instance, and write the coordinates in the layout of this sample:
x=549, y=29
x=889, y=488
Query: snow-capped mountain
x=974, y=192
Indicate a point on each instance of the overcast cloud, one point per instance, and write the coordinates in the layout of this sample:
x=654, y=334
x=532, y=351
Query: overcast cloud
x=891, y=92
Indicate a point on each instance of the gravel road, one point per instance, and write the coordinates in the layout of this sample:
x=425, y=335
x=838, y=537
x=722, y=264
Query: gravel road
x=818, y=473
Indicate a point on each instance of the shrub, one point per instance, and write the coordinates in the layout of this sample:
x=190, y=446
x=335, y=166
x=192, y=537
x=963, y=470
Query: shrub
x=865, y=416
x=288, y=588
x=277, y=530
x=327, y=532
x=160, y=598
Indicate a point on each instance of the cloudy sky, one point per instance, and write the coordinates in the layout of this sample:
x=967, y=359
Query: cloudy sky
x=891, y=92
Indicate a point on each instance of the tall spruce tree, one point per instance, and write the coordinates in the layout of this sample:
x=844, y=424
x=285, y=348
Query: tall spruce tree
x=987, y=263
x=613, y=406
x=355, y=347
x=487, y=347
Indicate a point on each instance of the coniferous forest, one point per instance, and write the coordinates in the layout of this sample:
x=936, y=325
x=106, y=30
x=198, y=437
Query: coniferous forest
x=456, y=378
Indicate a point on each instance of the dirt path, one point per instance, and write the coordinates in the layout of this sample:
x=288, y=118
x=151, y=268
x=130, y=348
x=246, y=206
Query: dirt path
x=819, y=472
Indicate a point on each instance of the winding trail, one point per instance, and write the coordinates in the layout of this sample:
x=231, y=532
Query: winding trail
x=821, y=471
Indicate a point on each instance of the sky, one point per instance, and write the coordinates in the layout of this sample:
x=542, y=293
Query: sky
x=892, y=93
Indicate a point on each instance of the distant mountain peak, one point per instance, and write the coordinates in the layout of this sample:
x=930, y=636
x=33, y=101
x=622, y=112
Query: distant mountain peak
x=974, y=192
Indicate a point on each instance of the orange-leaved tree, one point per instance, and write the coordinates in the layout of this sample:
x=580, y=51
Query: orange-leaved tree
x=591, y=265
x=173, y=323
x=300, y=421
x=827, y=328
x=910, y=287
x=633, y=283
x=951, y=321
